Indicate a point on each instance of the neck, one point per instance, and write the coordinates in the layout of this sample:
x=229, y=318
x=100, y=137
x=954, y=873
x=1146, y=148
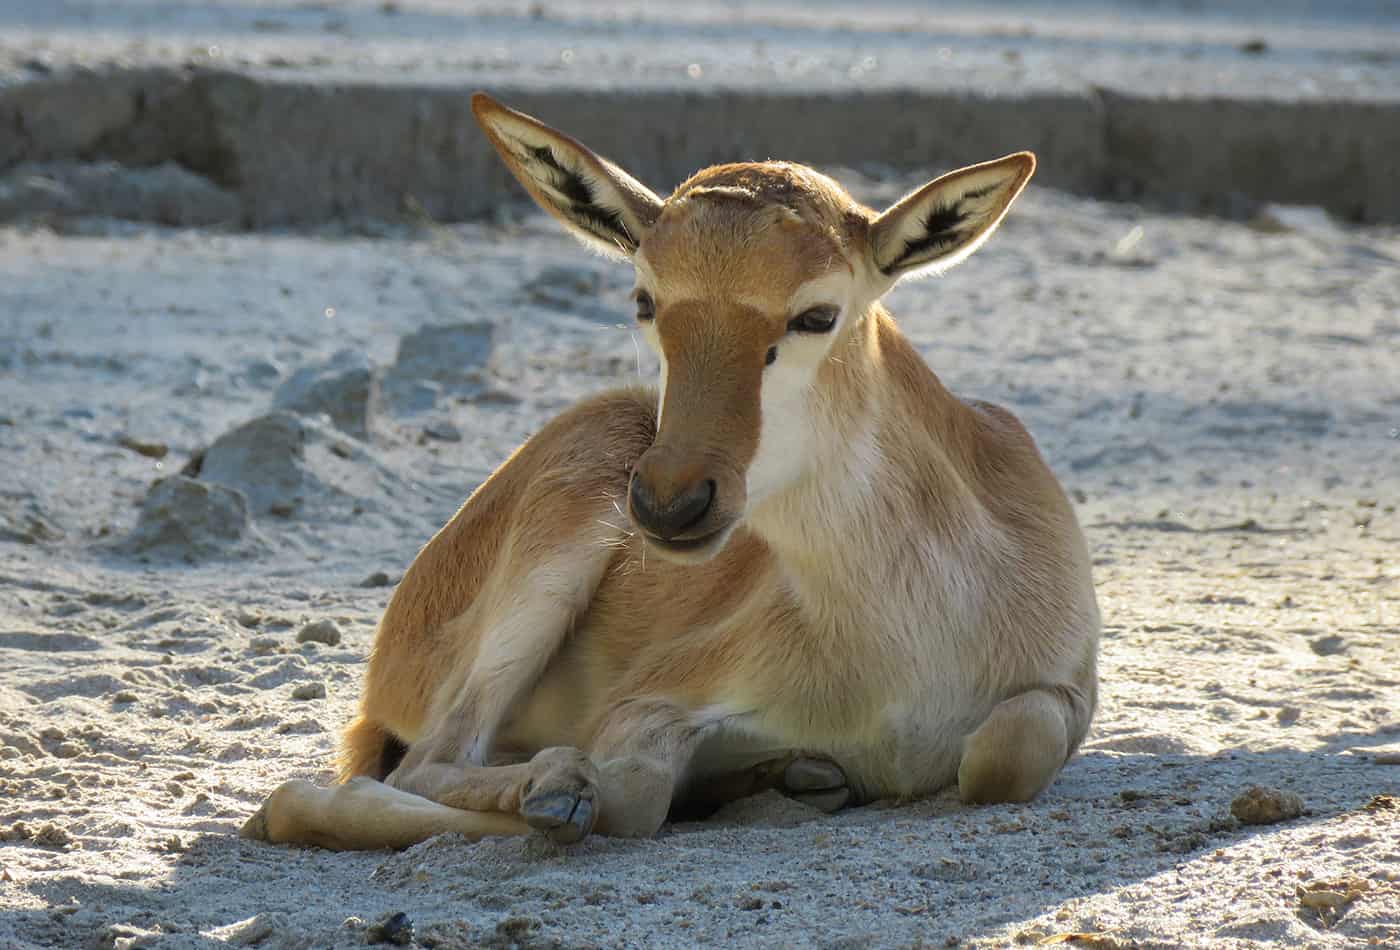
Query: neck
x=885, y=483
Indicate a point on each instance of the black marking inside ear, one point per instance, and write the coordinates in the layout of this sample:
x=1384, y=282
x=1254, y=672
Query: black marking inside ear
x=941, y=229
x=602, y=222
x=567, y=183
x=984, y=191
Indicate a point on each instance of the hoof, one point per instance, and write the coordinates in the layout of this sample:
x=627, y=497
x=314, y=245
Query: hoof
x=812, y=775
x=561, y=800
x=829, y=801
x=564, y=817
x=255, y=828
x=819, y=783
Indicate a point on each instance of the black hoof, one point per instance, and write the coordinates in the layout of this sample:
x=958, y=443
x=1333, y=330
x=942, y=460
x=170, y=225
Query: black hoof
x=828, y=801
x=565, y=817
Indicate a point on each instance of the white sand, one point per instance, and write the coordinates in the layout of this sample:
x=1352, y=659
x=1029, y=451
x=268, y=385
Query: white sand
x=1224, y=403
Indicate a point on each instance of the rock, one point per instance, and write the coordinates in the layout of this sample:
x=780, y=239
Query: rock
x=1330, y=645
x=151, y=450
x=379, y=579
x=264, y=459
x=394, y=928
x=451, y=354
x=165, y=194
x=255, y=930
x=443, y=431
x=23, y=520
x=407, y=395
x=309, y=691
x=319, y=631
x=1295, y=219
x=262, y=372
x=1266, y=806
x=345, y=388
x=183, y=517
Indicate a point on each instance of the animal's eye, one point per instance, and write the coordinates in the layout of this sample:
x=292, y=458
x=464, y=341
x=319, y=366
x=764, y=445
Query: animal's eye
x=646, y=307
x=815, y=320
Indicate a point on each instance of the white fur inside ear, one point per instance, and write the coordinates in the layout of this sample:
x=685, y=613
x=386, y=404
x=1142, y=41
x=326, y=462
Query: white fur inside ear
x=943, y=223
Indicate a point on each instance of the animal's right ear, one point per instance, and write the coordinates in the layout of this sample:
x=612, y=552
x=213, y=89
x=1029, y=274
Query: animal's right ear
x=598, y=202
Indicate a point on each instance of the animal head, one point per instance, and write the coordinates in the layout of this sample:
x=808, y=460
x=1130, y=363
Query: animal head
x=752, y=281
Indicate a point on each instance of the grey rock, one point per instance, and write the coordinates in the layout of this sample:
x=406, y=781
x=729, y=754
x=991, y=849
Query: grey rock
x=309, y=691
x=265, y=459
x=451, y=354
x=407, y=395
x=183, y=517
x=345, y=388
x=22, y=519
x=262, y=372
x=319, y=631
x=164, y=194
x=443, y=431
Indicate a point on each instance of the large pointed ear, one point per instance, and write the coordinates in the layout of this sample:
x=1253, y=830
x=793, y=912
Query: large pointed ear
x=936, y=226
x=598, y=202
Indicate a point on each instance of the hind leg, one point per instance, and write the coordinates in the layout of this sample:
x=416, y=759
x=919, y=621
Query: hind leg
x=810, y=779
x=1019, y=749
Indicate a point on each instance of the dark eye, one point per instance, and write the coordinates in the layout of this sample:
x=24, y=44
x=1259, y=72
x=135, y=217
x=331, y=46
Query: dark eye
x=646, y=308
x=815, y=320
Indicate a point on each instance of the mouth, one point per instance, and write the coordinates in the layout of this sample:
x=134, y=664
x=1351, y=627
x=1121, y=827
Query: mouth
x=690, y=550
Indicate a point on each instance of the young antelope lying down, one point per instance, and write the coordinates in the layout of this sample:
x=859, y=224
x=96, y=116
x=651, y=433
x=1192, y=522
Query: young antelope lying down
x=804, y=564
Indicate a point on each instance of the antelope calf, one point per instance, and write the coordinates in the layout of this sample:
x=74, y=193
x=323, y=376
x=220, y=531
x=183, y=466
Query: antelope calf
x=803, y=564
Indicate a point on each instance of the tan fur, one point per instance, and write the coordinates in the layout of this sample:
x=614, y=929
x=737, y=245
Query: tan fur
x=889, y=592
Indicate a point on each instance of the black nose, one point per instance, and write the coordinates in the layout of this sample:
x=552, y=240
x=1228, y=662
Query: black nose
x=670, y=517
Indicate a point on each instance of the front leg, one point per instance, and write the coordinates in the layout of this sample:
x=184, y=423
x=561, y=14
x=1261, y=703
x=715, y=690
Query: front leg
x=642, y=749
x=555, y=792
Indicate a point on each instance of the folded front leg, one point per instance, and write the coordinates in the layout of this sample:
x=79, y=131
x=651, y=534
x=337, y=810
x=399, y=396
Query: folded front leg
x=555, y=792
x=366, y=815
x=642, y=750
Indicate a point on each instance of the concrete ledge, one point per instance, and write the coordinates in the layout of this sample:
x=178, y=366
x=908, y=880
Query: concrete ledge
x=301, y=151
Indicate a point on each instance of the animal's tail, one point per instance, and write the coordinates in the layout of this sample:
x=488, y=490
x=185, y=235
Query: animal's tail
x=367, y=748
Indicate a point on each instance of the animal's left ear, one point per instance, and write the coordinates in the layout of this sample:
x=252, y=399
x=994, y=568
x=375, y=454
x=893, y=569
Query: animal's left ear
x=936, y=226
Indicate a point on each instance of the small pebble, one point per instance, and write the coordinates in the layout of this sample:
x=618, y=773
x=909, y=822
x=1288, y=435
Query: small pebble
x=1265, y=806
x=309, y=691
x=319, y=631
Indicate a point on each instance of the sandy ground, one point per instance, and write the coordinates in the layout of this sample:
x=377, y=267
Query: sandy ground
x=1222, y=400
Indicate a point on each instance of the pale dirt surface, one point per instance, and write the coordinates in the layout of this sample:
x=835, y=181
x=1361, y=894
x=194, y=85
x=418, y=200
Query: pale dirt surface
x=1223, y=402
x=1270, y=49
